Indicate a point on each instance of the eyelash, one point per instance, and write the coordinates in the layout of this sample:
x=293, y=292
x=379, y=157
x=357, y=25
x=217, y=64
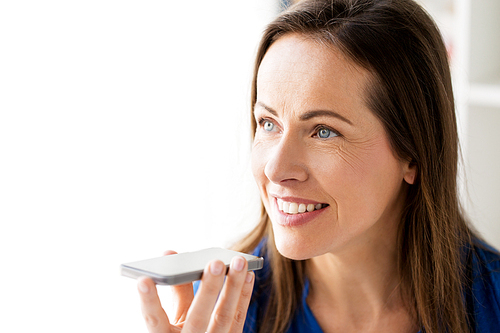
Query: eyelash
x=262, y=120
x=320, y=127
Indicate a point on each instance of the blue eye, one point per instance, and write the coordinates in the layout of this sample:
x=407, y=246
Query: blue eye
x=268, y=126
x=325, y=133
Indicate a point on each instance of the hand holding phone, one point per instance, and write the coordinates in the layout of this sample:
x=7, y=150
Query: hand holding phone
x=198, y=314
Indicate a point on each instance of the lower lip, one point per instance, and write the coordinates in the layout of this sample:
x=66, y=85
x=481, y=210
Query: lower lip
x=296, y=220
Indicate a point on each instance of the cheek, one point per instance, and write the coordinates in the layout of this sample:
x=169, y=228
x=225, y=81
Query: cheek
x=366, y=186
x=258, y=163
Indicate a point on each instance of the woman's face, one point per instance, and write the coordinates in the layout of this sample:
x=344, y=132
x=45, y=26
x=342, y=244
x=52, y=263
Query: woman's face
x=326, y=172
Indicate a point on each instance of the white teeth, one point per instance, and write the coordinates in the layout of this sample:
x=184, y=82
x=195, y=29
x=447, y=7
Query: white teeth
x=286, y=206
x=302, y=208
x=296, y=208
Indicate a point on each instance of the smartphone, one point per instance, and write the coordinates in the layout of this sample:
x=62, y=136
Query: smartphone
x=185, y=267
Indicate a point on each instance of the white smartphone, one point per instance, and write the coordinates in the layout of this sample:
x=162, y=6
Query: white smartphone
x=185, y=267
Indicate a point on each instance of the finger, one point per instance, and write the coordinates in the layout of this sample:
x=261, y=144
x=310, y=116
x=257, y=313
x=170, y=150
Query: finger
x=199, y=314
x=244, y=301
x=182, y=297
x=154, y=315
x=225, y=310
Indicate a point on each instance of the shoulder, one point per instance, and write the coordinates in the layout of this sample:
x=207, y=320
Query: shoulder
x=484, y=298
x=485, y=262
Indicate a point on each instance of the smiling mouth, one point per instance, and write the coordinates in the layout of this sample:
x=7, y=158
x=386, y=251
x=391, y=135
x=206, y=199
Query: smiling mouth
x=293, y=208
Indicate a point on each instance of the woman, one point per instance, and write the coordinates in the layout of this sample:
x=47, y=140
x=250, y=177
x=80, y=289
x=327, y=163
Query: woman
x=355, y=153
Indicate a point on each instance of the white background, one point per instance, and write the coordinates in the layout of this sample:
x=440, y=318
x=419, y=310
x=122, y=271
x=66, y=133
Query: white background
x=124, y=132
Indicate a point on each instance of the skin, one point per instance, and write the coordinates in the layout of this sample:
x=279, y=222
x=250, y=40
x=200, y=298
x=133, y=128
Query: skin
x=217, y=307
x=318, y=142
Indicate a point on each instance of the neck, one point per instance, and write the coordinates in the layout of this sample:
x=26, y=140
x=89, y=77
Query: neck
x=358, y=285
x=367, y=278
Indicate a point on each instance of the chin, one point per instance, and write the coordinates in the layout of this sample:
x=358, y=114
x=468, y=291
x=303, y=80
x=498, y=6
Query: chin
x=295, y=248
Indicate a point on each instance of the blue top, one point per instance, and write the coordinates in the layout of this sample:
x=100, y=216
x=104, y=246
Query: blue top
x=482, y=303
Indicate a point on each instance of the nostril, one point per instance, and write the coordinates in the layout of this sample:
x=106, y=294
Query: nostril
x=285, y=162
x=284, y=174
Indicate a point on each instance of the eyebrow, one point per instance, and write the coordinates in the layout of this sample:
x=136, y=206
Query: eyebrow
x=309, y=114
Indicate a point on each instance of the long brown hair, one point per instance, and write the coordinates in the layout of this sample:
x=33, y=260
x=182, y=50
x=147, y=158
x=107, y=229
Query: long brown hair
x=411, y=94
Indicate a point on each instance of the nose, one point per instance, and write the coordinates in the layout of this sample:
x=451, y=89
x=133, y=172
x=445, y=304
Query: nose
x=286, y=162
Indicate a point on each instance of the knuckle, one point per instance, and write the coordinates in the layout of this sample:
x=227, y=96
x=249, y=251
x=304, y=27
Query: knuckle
x=239, y=317
x=246, y=293
x=222, y=319
x=151, y=320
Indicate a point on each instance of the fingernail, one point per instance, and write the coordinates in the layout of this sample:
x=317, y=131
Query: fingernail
x=216, y=268
x=143, y=288
x=249, y=277
x=238, y=263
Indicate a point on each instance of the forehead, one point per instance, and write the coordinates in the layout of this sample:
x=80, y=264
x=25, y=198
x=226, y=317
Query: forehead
x=301, y=72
